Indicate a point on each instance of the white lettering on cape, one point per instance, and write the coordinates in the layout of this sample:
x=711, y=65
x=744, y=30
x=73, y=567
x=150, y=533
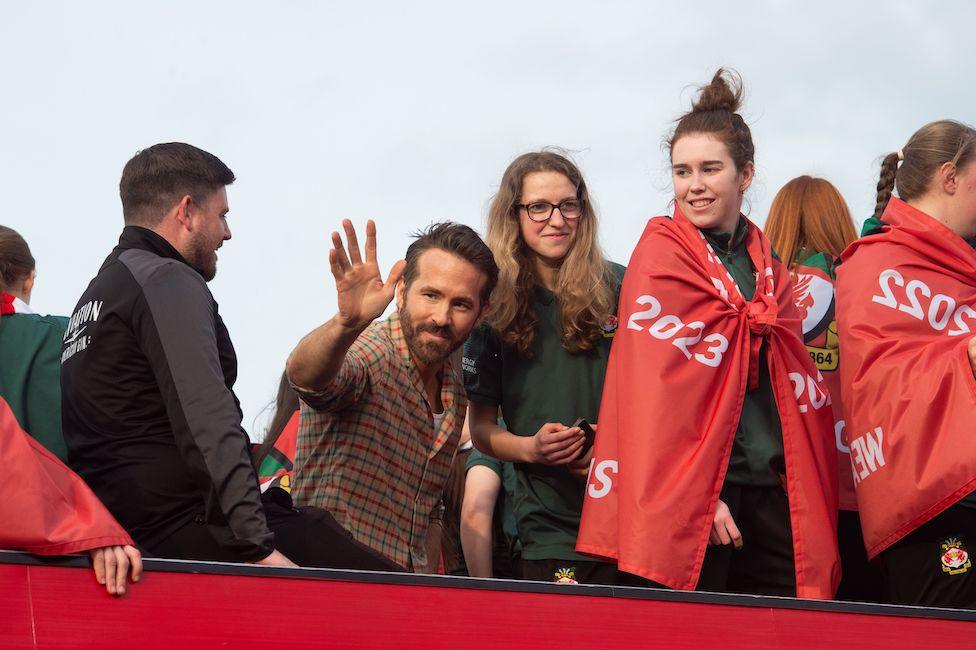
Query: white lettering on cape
x=839, y=434
x=600, y=473
x=668, y=326
x=867, y=454
x=938, y=311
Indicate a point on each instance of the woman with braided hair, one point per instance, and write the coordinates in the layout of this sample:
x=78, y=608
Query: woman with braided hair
x=714, y=466
x=906, y=315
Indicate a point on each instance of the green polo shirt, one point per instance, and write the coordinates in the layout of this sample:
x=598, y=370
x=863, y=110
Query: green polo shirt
x=30, y=375
x=554, y=386
x=758, y=446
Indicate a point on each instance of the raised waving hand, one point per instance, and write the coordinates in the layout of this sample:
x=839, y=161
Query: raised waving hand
x=362, y=294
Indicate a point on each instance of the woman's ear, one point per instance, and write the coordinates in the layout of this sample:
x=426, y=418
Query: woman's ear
x=948, y=178
x=747, y=173
x=28, y=286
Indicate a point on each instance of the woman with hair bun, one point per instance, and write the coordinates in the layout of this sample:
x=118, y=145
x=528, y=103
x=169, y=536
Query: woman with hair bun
x=540, y=357
x=809, y=225
x=906, y=307
x=714, y=465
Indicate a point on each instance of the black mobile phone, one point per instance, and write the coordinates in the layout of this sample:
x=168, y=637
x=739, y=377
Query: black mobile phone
x=589, y=435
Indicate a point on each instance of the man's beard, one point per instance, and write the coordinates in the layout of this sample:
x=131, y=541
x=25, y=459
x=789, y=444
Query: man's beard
x=428, y=352
x=201, y=257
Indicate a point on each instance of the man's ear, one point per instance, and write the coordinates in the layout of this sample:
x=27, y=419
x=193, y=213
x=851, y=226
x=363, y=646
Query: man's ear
x=183, y=210
x=400, y=290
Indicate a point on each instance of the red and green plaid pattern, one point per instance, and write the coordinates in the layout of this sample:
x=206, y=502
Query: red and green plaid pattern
x=367, y=452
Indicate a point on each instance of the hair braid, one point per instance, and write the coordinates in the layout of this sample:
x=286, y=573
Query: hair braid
x=886, y=183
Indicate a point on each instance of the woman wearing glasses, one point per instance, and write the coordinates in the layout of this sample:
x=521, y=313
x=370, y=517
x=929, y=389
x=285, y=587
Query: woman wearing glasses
x=538, y=360
x=715, y=466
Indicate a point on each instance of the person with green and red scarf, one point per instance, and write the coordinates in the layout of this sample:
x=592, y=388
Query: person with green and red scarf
x=906, y=315
x=714, y=465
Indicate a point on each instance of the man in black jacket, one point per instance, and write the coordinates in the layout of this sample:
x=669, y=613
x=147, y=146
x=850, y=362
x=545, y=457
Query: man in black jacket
x=147, y=372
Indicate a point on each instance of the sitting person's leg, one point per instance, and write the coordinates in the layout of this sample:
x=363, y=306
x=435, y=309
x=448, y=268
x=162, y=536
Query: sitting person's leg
x=195, y=540
x=312, y=537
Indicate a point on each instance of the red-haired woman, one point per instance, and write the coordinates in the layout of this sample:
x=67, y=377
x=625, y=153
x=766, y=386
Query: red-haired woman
x=809, y=225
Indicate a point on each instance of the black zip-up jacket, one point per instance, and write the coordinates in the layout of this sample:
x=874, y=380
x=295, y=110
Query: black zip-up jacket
x=148, y=408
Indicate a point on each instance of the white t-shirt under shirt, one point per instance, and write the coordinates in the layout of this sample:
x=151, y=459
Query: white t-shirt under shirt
x=438, y=418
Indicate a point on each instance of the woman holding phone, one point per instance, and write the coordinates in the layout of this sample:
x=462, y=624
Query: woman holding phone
x=539, y=359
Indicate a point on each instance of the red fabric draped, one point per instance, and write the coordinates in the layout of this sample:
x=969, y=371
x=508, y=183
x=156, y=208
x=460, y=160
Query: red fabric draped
x=906, y=308
x=686, y=351
x=813, y=294
x=46, y=508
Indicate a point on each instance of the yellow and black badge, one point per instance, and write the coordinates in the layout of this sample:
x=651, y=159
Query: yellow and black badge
x=828, y=357
x=609, y=326
x=566, y=576
x=954, y=557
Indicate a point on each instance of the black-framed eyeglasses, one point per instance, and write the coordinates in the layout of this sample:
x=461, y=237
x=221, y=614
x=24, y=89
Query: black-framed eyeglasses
x=539, y=211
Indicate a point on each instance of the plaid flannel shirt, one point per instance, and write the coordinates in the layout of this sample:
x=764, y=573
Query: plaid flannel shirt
x=367, y=450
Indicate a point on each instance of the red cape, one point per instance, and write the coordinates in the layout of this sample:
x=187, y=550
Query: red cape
x=45, y=507
x=814, y=296
x=682, y=359
x=906, y=307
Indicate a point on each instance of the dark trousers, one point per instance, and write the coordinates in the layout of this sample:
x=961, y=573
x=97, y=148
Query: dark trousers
x=860, y=580
x=764, y=564
x=309, y=537
x=932, y=566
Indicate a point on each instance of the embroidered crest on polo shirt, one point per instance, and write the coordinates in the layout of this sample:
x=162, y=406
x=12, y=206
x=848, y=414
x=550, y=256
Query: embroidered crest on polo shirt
x=954, y=557
x=609, y=326
x=566, y=576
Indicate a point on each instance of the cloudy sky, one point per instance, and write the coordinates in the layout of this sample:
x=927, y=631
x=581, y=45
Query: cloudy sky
x=408, y=113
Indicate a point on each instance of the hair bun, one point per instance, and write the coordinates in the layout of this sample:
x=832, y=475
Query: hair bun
x=723, y=93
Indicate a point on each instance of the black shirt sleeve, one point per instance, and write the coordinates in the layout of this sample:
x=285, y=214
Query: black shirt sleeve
x=182, y=316
x=482, y=365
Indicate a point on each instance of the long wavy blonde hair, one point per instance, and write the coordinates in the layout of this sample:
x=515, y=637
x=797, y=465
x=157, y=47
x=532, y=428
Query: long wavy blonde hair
x=583, y=281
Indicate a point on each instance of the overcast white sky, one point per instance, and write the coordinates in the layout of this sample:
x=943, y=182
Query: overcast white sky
x=408, y=113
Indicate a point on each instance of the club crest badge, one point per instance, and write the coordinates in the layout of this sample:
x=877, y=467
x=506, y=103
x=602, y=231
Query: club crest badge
x=566, y=576
x=813, y=295
x=955, y=557
x=609, y=326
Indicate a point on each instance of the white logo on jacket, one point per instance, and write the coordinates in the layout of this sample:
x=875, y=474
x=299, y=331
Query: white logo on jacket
x=77, y=324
